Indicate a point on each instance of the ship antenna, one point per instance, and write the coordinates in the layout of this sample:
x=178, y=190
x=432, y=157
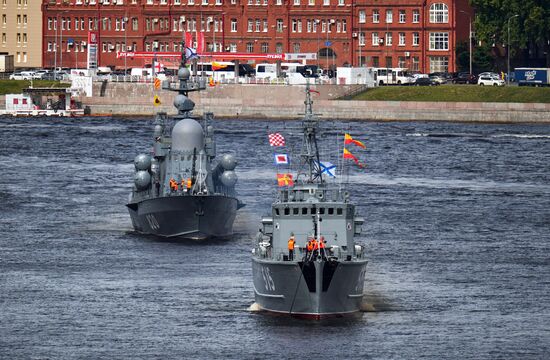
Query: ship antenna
x=310, y=150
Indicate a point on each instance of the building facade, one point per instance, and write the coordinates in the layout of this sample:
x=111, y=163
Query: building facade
x=21, y=31
x=416, y=34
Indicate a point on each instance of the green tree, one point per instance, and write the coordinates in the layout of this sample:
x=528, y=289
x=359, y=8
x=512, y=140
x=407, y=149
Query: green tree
x=530, y=30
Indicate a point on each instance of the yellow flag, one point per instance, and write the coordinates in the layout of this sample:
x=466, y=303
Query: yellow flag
x=156, y=101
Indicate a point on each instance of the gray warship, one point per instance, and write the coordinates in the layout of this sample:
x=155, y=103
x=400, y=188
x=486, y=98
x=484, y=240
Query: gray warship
x=327, y=281
x=179, y=190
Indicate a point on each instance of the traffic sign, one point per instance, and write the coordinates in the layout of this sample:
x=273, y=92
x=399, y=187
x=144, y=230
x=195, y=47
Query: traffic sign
x=328, y=43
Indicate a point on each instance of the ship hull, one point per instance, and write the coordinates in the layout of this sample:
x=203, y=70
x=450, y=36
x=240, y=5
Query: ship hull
x=315, y=289
x=193, y=217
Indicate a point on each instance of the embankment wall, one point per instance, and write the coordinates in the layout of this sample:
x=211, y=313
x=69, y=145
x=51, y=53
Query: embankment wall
x=287, y=102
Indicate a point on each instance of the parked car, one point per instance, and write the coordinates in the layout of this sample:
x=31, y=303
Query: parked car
x=490, y=81
x=22, y=75
x=41, y=74
x=489, y=73
x=424, y=81
x=440, y=78
x=464, y=78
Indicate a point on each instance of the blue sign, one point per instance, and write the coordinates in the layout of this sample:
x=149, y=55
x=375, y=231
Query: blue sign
x=328, y=43
x=70, y=41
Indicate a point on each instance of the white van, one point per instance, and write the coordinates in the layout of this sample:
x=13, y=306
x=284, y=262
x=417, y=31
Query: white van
x=269, y=70
x=392, y=76
x=147, y=73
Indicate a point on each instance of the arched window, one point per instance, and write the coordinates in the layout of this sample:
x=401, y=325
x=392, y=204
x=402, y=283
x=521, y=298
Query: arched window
x=439, y=13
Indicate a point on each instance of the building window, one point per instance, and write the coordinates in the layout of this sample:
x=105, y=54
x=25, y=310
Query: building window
x=258, y=25
x=375, y=39
x=344, y=26
x=362, y=17
x=389, y=39
x=266, y=26
x=311, y=2
x=375, y=61
x=341, y=3
x=439, y=41
x=233, y=25
x=416, y=39
x=250, y=47
x=401, y=62
x=299, y=26
x=439, y=13
x=265, y=47
x=18, y=38
x=279, y=48
x=401, y=39
x=415, y=64
x=416, y=16
x=250, y=25
x=24, y=39
x=439, y=64
x=278, y=2
x=135, y=24
x=389, y=62
x=389, y=16
x=18, y=20
x=326, y=2
x=296, y=47
x=376, y=16
x=361, y=39
x=49, y=23
x=49, y=43
x=4, y=41
x=402, y=16
x=279, y=25
x=296, y=2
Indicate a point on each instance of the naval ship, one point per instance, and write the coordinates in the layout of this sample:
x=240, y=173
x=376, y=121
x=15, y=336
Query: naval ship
x=179, y=190
x=324, y=282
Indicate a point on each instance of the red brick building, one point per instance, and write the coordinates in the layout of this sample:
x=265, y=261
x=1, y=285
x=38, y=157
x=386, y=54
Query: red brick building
x=420, y=35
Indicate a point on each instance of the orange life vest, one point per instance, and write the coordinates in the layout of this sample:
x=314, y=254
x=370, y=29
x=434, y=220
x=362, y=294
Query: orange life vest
x=291, y=243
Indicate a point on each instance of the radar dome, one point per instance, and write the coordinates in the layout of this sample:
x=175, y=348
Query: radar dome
x=184, y=73
x=228, y=162
x=183, y=103
x=142, y=179
x=142, y=162
x=229, y=178
x=186, y=135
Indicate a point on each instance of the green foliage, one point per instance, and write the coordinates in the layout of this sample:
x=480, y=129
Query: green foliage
x=17, y=86
x=457, y=93
x=530, y=27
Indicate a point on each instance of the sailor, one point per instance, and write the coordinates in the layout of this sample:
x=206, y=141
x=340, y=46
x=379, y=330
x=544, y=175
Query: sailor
x=291, y=243
x=182, y=184
x=322, y=246
x=309, y=246
x=189, y=183
x=173, y=185
x=315, y=246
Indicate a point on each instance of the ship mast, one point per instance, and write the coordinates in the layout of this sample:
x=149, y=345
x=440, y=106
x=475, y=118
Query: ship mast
x=309, y=162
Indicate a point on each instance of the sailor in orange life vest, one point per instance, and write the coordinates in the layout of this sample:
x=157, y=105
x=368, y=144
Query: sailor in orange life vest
x=291, y=243
x=173, y=185
x=309, y=246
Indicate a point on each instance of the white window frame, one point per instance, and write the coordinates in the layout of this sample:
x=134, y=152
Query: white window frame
x=439, y=13
x=415, y=39
x=376, y=16
x=389, y=16
x=362, y=16
x=402, y=16
x=439, y=41
x=401, y=39
x=375, y=39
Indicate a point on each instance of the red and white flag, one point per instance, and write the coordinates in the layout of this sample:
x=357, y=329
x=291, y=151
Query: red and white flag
x=276, y=139
x=281, y=159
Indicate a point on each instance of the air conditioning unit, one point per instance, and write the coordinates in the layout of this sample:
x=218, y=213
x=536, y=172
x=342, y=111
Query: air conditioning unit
x=354, y=35
x=182, y=18
x=407, y=54
x=380, y=41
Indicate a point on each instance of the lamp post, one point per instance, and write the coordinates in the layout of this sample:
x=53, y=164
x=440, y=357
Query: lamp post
x=125, y=24
x=469, y=38
x=317, y=23
x=508, y=50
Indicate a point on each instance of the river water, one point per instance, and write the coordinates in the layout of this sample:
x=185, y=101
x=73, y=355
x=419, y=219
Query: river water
x=457, y=233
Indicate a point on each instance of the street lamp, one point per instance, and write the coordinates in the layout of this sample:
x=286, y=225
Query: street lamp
x=469, y=38
x=508, y=49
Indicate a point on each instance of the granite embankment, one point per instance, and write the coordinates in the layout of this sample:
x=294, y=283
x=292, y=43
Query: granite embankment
x=287, y=102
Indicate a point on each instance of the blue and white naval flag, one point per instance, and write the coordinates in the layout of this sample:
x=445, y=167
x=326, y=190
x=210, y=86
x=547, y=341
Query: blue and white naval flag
x=282, y=159
x=328, y=169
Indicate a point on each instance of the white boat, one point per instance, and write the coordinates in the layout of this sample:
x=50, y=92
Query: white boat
x=42, y=102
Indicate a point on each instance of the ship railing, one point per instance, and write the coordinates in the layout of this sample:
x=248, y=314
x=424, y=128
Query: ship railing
x=265, y=251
